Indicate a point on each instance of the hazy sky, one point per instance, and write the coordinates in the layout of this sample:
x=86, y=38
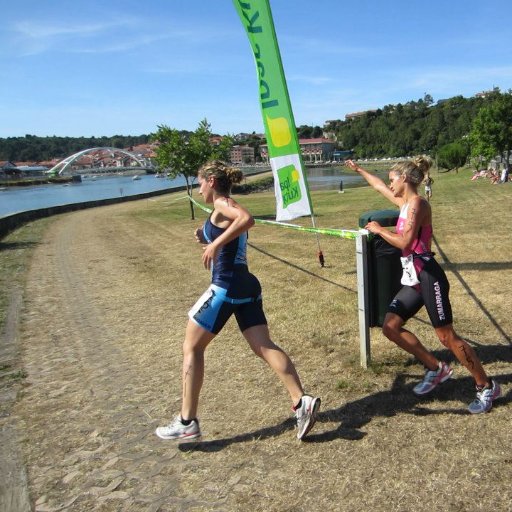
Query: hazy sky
x=108, y=67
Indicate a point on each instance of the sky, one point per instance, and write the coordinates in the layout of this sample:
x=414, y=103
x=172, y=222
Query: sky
x=123, y=67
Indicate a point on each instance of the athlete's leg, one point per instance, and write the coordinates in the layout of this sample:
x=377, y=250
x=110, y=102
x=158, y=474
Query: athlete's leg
x=196, y=341
x=259, y=340
x=436, y=295
x=394, y=331
x=463, y=352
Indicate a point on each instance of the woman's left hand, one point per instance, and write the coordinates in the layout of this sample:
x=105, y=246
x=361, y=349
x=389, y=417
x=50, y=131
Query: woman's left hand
x=199, y=236
x=209, y=255
x=373, y=227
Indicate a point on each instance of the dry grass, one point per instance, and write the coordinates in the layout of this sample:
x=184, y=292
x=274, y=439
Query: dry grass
x=376, y=446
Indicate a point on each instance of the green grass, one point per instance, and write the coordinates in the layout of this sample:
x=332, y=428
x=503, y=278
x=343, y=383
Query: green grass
x=375, y=442
x=15, y=253
x=471, y=224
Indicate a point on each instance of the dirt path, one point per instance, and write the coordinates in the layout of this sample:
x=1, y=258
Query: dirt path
x=101, y=334
x=87, y=433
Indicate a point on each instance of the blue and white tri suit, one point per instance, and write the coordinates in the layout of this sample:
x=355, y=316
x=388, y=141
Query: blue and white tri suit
x=233, y=290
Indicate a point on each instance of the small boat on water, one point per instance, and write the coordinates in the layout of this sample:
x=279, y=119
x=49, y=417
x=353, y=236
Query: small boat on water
x=136, y=177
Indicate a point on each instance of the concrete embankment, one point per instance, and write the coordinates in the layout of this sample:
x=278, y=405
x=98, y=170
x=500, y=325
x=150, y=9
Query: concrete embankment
x=9, y=223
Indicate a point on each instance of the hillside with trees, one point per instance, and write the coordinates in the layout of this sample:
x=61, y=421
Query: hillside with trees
x=480, y=125
x=415, y=127
x=32, y=148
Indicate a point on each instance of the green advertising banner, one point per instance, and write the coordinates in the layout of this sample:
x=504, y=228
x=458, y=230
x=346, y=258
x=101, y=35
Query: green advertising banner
x=291, y=189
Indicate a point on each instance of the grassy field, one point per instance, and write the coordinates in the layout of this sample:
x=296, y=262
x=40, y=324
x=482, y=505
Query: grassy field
x=376, y=447
x=472, y=241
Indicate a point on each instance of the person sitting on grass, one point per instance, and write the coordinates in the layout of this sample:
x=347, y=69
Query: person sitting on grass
x=425, y=283
x=234, y=290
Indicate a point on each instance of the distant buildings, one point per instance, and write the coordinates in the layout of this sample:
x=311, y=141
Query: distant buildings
x=353, y=115
x=11, y=170
x=242, y=154
x=484, y=94
x=312, y=150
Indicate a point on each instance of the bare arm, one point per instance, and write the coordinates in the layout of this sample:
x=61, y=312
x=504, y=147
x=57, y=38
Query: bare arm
x=417, y=213
x=240, y=221
x=375, y=182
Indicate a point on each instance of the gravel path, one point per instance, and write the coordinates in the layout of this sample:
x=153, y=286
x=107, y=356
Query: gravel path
x=88, y=439
x=99, y=339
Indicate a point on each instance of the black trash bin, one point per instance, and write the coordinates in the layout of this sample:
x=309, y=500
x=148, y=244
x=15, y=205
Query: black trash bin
x=384, y=267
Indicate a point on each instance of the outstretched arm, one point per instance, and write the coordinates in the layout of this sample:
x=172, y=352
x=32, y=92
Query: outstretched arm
x=375, y=182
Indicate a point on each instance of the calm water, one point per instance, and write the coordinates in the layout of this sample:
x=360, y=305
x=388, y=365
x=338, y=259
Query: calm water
x=328, y=178
x=18, y=199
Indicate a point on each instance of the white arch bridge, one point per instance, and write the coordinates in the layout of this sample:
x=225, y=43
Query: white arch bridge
x=100, y=159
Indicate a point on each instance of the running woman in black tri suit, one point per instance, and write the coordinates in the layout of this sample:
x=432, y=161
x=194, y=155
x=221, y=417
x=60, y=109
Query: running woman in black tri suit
x=425, y=283
x=233, y=290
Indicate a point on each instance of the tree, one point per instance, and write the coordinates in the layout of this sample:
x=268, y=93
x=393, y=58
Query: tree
x=317, y=132
x=304, y=131
x=491, y=132
x=452, y=156
x=222, y=151
x=182, y=153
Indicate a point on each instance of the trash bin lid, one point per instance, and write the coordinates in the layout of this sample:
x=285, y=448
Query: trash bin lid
x=385, y=218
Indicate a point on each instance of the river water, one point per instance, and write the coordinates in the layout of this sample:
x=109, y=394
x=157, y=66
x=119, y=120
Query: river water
x=16, y=199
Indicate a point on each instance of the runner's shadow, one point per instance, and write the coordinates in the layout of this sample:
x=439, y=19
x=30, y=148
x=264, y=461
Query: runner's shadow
x=400, y=399
x=354, y=415
x=219, y=444
x=261, y=434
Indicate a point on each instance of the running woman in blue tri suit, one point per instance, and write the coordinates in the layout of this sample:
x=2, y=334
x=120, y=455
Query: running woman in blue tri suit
x=425, y=283
x=234, y=290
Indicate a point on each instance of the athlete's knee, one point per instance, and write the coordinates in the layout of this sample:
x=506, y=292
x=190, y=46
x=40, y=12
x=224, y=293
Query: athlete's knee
x=388, y=330
x=193, y=347
x=391, y=328
x=265, y=348
x=188, y=347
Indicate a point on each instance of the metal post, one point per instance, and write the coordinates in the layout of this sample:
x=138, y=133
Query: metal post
x=363, y=296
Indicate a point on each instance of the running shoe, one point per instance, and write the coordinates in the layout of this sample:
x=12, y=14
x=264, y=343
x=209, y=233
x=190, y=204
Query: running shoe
x=177, y=430
x=432, y=379
x=484, y=398
x=306, y=415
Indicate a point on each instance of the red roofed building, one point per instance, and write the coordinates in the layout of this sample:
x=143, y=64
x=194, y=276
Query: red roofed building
x=312, y=150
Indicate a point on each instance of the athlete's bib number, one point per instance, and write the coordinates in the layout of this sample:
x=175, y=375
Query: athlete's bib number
x=409, y=276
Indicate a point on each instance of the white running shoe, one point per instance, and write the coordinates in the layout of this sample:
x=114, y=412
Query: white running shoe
x=176, y=430
x=306, y=415
x=432, y=379
x=484, y=398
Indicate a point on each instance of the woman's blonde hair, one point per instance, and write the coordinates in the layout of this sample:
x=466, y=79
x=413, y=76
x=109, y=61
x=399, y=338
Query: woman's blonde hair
x=225, y=175
x=414, y=170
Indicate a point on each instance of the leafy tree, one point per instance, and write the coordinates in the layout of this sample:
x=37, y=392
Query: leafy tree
x=491, y=133
x=222, y=151
x=317, y=132
x=452, y=156
x=182, y=153
x=37, y=149
x=304, y=131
